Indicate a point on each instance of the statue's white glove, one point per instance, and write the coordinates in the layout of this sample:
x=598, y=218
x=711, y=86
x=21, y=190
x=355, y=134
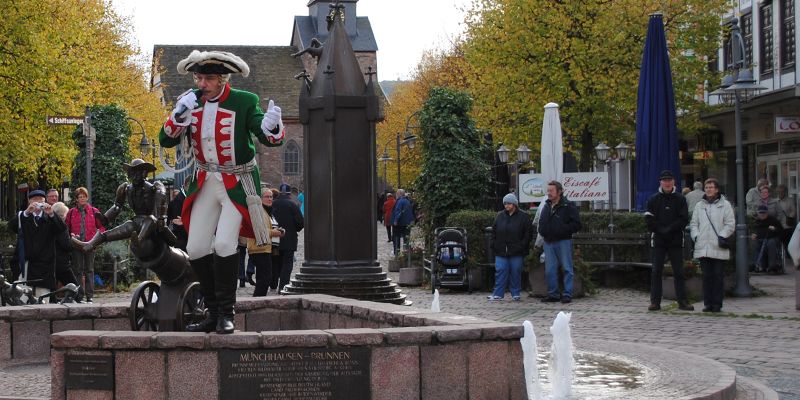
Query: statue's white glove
x=272, y=118
x=183, y=108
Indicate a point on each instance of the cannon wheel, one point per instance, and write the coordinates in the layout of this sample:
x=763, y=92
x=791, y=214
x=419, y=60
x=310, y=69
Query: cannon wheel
x=144, y=306
x=191, y=306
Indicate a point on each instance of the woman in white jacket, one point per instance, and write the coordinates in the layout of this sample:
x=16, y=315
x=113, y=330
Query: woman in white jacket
x=712, y=217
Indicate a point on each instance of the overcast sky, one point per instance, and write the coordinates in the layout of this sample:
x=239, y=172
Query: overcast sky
x=403, y=29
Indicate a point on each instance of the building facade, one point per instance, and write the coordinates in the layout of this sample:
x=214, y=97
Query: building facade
x=770, y=118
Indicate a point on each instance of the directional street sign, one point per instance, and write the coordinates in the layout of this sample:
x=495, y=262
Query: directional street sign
x=64, y=120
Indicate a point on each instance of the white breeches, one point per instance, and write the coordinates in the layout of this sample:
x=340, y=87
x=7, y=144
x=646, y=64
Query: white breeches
x=213, y=213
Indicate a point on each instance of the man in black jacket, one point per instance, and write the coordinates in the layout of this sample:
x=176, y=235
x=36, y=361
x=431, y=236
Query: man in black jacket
x=288, y=216
x=512, y=232
x=666, y=217
x=37, y=228
x=558, y=220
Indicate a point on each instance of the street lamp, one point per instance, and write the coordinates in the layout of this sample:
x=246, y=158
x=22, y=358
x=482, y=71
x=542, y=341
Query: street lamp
x=523, y=157
x=604, y=155
x=145, y=146
x=385, y=159
x=739, y=87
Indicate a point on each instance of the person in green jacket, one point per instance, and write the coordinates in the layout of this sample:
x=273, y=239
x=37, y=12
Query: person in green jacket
x=219, y=123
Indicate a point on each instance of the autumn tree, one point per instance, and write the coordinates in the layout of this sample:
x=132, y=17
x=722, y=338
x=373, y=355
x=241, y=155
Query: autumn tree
x=584, y=55
x=56, y=58
x=437, y=68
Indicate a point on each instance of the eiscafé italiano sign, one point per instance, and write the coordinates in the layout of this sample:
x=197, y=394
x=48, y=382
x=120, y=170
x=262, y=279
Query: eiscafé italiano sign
x=787, y=124
x=578, y=186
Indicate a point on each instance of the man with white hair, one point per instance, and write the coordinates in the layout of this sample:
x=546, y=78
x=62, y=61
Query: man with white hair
x=693, y=197
x=219, y=124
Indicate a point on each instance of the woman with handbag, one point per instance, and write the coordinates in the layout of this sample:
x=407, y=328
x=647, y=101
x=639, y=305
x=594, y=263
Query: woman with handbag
x=712, y=223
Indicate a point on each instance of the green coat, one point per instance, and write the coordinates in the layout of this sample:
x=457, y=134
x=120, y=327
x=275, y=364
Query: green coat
x=239, y=116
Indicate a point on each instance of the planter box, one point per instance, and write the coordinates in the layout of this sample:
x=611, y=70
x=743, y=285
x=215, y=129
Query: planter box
x=694, y=287
x=410, y=276
x=539, y=284
x=394, y=265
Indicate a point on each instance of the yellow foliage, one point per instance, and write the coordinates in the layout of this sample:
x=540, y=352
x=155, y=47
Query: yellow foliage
x=56, y=58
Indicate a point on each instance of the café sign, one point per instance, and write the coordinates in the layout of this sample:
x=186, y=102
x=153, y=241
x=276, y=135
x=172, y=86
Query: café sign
x=578, y=186
x=787, y=124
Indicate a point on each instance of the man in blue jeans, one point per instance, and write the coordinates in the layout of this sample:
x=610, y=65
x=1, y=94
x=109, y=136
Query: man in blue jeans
x=558, y=221
x=512, y=232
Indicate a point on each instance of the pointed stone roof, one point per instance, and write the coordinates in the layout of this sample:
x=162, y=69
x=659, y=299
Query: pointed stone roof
x=338, y=57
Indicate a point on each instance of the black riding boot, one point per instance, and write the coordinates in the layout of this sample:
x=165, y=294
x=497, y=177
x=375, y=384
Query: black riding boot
x=204, y=269
x=226, y=275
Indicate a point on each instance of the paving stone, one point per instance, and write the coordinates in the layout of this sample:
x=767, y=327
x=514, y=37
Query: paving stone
x=144, y=376
x=31, y=339
x=356, y=337
x=186, y=381
x=443, y=372
x=127, y=340
x=171, y=340
x=112, y=324
x=302, y=338
x=72, y=325
x=394, y=373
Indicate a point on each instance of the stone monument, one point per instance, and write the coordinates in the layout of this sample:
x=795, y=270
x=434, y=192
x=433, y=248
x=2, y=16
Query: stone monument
x=339, y=111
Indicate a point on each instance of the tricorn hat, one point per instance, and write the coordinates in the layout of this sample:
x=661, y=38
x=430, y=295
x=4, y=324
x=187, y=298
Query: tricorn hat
x=139, y=164
x=213, y=62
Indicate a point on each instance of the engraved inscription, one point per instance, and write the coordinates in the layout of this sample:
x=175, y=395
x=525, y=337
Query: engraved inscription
x=295, y=374
x=89, y=371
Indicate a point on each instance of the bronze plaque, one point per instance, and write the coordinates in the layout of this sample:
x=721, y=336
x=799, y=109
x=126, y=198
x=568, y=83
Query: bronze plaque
x=295, y=374
x=83, y=371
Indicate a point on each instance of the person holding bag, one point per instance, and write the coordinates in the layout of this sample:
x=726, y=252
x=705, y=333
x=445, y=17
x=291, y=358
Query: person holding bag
x=712, y=223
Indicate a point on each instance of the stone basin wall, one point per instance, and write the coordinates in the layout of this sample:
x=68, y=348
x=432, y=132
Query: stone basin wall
x=414, y=354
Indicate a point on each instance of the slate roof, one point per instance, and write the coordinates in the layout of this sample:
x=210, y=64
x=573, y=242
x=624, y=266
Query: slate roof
x=272, y=71
x=363, y=41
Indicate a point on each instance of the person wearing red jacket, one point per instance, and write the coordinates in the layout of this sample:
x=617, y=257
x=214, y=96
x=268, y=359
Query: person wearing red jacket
x=388, y=206
x=82, y=224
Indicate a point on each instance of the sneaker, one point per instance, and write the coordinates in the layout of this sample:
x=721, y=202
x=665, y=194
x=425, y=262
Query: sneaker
x=551, y=300
x=494, y=298
x=685, y=307
x=89, y=301
x=516, y=298
x=654, y=307
x=566, y=300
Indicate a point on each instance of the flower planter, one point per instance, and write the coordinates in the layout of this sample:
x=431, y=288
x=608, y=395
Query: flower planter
x=410, y=276
x=394, y=265
x=539, y=284
x=694, y=287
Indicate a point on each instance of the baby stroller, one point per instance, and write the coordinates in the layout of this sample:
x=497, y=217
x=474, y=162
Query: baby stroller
x=449, y=263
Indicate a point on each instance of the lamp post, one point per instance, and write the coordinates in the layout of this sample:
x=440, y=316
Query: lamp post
x=145, y=146
x=735, y=87
x=385, y=159
x=523, y=157
x=604, y=155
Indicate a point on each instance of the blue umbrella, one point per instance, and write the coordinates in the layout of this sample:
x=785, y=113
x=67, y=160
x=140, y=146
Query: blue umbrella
x=656, y=132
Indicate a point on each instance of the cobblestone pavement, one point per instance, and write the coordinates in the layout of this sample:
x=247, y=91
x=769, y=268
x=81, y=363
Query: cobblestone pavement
x=758, y=337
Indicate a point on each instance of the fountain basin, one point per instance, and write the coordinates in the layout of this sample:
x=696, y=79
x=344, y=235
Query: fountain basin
x=396, y=352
